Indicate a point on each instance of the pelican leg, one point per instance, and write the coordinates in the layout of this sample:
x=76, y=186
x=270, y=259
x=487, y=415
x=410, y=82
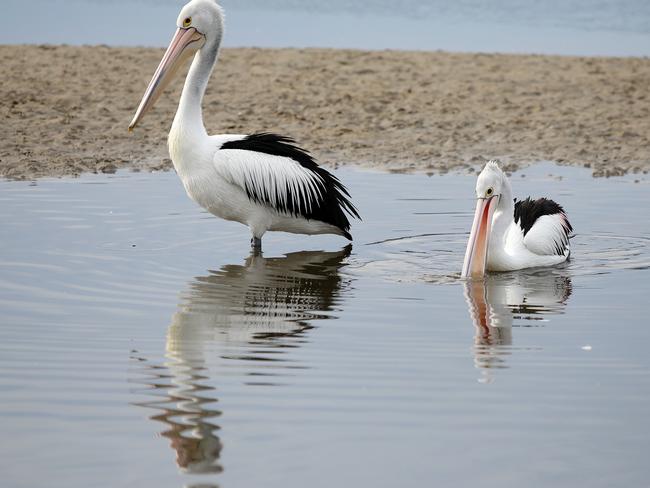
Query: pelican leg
x=256, y=243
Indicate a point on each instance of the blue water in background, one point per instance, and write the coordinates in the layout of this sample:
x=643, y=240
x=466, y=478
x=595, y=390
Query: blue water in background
x=573, y=27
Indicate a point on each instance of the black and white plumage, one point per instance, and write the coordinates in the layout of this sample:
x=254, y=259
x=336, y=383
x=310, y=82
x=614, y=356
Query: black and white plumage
x=545, y=225
x=264, y=180
x=509, y=235
x=314, y=195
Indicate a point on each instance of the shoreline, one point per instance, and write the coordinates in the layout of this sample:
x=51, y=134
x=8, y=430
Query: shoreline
x=66, y=108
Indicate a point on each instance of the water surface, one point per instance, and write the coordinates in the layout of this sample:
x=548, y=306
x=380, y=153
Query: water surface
x=576, y=27
x=144, y=346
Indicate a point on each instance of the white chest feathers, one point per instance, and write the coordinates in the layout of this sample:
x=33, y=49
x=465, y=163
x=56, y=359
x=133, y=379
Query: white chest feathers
x=194, y=161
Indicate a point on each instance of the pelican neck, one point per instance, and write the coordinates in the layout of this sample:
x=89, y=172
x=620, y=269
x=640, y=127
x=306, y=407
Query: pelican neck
x=504, y=215
x=189, y=115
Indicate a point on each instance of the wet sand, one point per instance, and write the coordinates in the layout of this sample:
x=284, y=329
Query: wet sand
x=65, y=110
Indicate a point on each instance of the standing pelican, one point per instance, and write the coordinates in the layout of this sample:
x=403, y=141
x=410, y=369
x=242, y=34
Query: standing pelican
x=508, y=235
x=262, y=180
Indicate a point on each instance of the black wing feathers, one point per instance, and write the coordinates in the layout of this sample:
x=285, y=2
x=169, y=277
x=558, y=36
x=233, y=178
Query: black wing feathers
x=331, y=208
x=528, y=211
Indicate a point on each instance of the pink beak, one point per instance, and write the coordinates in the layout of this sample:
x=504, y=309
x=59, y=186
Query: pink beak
x=184, y=44
x=476, y=254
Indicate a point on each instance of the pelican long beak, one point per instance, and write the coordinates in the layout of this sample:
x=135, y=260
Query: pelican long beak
x=184, y=44
x=477, y=246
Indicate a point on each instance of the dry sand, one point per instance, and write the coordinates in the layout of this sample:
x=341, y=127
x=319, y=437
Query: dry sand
x=65, y=110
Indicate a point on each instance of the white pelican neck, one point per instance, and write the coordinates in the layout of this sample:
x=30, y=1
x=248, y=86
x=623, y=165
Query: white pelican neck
x=189, y=116
x=504, y=214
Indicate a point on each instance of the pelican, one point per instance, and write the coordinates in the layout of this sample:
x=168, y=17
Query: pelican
x=508, y=235
x=263, y=180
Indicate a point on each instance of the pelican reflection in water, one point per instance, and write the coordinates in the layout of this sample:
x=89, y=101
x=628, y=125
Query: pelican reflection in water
x=500, y=301
x=256, y=314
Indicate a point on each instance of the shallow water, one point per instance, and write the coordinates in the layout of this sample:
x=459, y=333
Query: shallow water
x=576, y=27
x=143, y=346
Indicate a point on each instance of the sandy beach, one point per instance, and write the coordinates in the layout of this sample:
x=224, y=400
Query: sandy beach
x=65, y=110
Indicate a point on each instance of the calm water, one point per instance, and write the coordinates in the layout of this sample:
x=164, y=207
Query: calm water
x=588, y=27
x=143, y=346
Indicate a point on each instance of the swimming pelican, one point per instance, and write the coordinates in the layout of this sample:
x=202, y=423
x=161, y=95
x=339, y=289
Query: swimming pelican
x=264, y=181
x=507, y=234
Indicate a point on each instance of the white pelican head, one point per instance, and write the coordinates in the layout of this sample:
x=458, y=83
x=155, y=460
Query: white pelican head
x=199, y=26
x=490, y=186
x=491, y=181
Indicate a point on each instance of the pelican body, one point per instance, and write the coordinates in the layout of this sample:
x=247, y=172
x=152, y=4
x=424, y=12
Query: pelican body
x=263, y=180
x=508, y=235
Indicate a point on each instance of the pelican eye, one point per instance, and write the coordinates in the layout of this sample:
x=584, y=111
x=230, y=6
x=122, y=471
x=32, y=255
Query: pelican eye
x=187, y=22
x=489, y=192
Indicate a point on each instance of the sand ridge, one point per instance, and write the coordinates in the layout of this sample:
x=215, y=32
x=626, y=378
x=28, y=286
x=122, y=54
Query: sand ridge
x=65, y=110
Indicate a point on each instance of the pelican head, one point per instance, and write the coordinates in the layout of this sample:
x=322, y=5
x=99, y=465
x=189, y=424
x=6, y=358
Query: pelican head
x=491, y=184
x=491, y=181
x=199, y=24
